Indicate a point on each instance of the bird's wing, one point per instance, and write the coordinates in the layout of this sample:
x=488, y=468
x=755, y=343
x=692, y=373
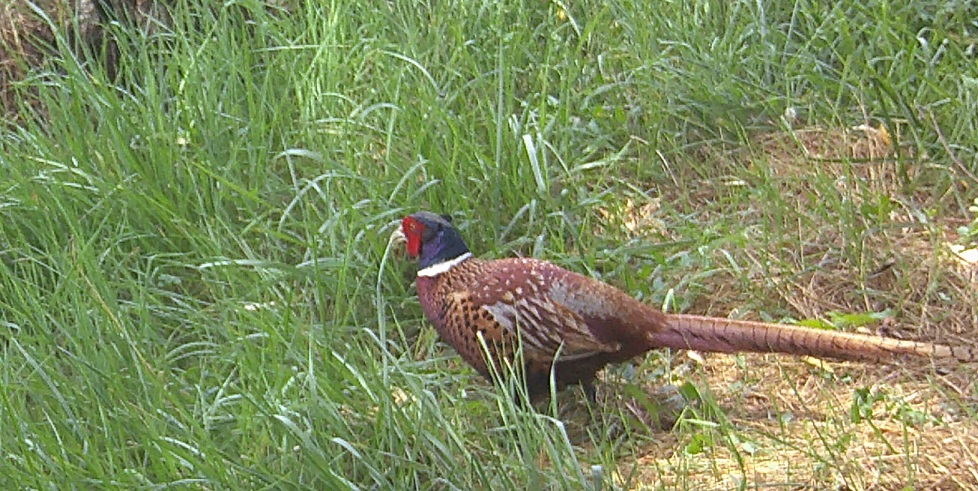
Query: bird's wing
x=546, y=327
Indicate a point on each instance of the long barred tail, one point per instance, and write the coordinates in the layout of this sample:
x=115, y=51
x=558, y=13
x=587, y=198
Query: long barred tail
x=729, y=336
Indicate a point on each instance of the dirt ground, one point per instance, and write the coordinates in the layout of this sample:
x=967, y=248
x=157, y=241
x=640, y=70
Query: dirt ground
x=808, y=424
x=27, y=34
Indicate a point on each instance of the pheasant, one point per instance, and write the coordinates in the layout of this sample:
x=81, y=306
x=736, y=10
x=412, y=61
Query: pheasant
x=572, y=325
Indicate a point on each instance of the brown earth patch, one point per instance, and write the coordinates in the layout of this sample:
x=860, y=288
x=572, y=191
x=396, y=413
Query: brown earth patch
x=791, y=423
x=28, y=35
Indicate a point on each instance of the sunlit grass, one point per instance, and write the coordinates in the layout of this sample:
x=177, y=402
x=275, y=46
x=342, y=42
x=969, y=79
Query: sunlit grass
x=197, y=286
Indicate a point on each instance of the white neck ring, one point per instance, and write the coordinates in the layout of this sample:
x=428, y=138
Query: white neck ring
x=443, y=267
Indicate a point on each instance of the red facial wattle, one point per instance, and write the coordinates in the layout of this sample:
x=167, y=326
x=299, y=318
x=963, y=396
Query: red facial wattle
x=412, y=230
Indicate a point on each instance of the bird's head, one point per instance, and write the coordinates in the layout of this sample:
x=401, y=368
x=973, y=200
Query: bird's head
x=431, y=238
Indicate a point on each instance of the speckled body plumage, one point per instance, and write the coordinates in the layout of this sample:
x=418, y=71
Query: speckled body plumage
x=573, y=326
x=591, y=324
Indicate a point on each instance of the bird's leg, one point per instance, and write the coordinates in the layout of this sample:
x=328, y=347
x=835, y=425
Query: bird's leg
x=590, y=392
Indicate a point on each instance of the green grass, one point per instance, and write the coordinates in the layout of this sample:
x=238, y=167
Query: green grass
x=198, y=288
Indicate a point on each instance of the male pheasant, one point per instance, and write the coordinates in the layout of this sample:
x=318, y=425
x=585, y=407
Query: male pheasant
x=574, y=325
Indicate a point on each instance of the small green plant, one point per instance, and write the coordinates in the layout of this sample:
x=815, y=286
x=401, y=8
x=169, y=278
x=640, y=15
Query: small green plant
x=864, y=401
x=969, y=233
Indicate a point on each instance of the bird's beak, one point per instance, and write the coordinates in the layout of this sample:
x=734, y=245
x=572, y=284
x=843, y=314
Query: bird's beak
x=397, y=237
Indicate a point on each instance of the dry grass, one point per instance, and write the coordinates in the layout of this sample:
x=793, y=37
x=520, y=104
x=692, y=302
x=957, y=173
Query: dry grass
x=801, y=435
x=920, y=430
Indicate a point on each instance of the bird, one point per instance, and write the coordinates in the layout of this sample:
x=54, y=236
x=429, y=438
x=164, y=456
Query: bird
x=560, y=328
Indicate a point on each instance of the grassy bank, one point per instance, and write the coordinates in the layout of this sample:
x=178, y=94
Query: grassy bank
x=197, y=287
